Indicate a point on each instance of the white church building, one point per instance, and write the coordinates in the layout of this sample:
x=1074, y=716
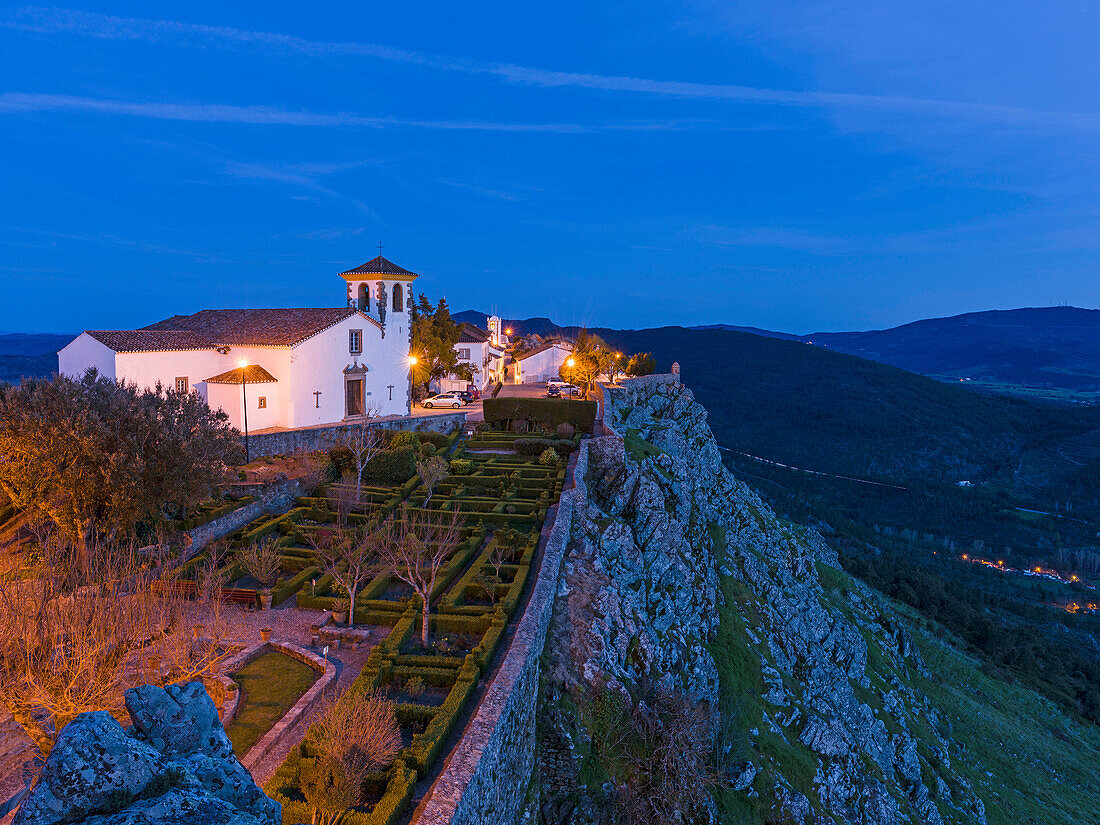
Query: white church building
x=280, y=367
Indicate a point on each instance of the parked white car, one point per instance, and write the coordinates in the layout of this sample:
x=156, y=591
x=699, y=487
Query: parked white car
x=556, y=382
x=444, y=399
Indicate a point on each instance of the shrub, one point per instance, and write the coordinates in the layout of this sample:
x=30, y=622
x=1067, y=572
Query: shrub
x=549, y=457
x=520, y=425
x=437, y=440
x=531, y=446
x=427, y=450
x=461, y=466
x=564, y=447
x=566, y=431
x=414, y=686
x=404, y=438
x=391, y=467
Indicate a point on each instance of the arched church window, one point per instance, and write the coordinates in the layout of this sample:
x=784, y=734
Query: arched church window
x=398, y=298
x=364, y=298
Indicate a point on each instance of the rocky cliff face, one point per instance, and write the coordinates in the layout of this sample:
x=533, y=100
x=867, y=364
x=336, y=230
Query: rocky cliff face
x=682, y=590
x=176, y=765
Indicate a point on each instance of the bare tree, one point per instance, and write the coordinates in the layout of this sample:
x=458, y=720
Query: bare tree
x=365, y=441
x=348, y=558
x=489, y=577
x=74, y=638
x=358, y=734
x=432, y=471
x=412, y=547
x=344, y=497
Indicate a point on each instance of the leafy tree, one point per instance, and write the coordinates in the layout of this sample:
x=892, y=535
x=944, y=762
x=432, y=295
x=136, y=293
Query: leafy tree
x=97, y=457
x=641, y=363
x=583, y=367
x=434, y=335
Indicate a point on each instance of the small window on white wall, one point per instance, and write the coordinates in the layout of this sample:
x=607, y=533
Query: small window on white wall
x=182, y=384
x=263, y=402
x=355, y=341
x=464, y=353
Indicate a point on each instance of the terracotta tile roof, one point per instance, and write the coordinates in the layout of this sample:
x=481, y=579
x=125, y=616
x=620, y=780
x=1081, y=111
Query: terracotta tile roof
x=379, y=266
x=471, y=334
x=252, y=374
x=148, y=340
x=542, y=348
x=261, y=327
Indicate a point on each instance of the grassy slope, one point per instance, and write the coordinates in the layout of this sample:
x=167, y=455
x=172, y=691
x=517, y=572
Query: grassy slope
x=270, y=685
x=1029, y=760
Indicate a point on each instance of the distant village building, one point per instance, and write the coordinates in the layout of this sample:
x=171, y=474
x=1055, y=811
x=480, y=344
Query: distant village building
x=291, y=367
x=485, y=357
x=542, y=362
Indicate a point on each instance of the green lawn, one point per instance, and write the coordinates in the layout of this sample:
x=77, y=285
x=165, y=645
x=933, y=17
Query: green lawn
x=270, y=685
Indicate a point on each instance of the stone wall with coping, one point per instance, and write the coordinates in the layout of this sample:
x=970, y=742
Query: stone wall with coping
x=324, y=436
x=484, y=779
x=277, y=500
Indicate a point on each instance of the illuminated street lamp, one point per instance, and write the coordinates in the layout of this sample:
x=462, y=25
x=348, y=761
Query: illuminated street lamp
x=570, y=362
x=244, y=405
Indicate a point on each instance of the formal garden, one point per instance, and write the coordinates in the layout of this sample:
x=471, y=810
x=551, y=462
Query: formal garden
x=367, y=611
x=432, y=545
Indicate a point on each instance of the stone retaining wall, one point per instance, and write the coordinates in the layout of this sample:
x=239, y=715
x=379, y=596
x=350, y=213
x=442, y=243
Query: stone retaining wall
x=278, y=500
x=484, y=779
x=324, y=436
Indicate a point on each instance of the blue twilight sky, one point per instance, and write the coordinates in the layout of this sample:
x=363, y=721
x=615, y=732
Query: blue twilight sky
x=799, y=166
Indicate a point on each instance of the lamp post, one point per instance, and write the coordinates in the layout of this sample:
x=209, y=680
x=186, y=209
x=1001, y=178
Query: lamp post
x=244, y=404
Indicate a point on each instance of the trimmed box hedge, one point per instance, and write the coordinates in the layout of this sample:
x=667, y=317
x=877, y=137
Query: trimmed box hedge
x=501, y=412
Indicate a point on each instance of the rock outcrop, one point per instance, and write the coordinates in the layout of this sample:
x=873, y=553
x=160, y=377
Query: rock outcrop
x=176, y=765
x=679, y=581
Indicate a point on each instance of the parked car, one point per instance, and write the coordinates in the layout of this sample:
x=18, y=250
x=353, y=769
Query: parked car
x=556, y=382
x=444, y=399
x=553, y=391
x=468, y=396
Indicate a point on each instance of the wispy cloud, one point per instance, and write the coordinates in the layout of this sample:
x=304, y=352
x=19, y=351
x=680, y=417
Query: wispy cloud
x=306, y=176
x=13, y=102
x=496, y=193
x=776, y=237
x=55, y=20
x=331, y=233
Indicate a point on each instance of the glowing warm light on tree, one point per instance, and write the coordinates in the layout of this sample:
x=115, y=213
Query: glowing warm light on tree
x=412, y=360
x=569, y=362
x=242, y=363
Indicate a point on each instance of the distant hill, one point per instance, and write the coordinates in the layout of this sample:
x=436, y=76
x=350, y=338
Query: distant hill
x=29, y=355
x=1052, y=347
x=1047, y=346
